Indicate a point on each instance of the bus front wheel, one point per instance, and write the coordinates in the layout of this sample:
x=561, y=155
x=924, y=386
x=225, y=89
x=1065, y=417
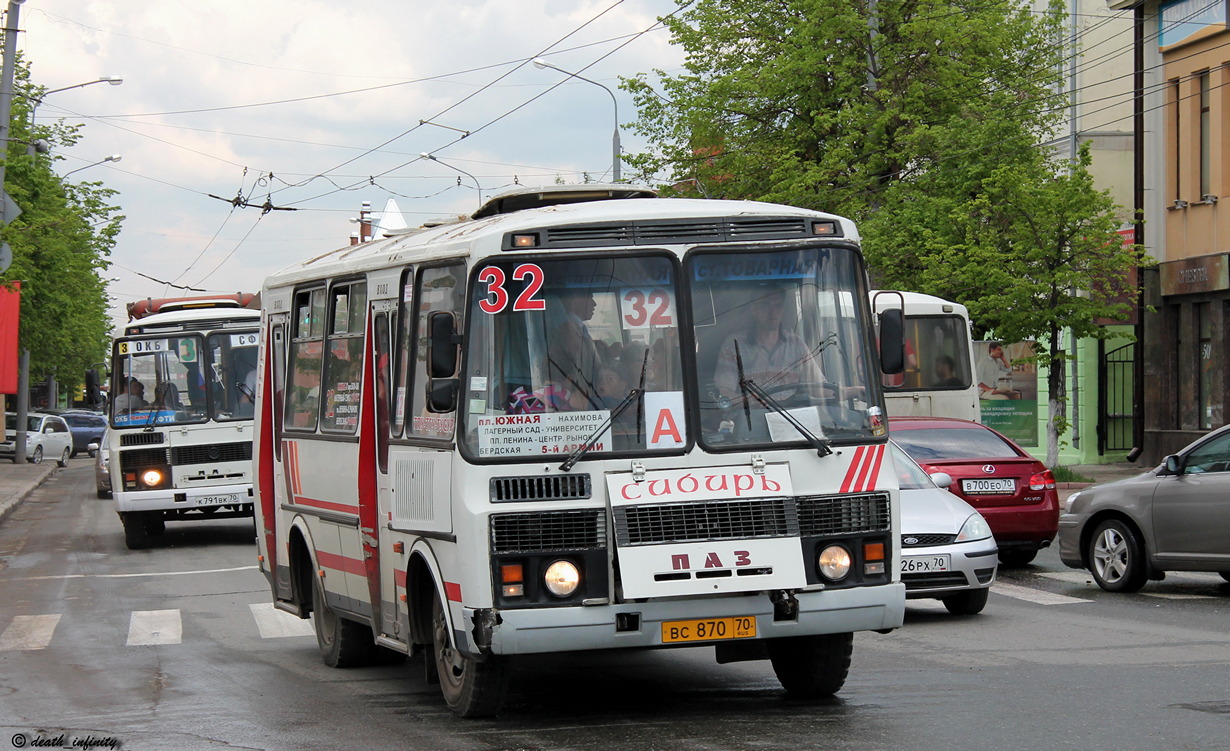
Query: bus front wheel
x=471, y=688
x=811, y=667
x=136, y=534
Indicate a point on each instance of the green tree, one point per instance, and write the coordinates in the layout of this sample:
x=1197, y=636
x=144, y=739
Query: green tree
x=61, y=243
x=921, y=120
x=1033, y=251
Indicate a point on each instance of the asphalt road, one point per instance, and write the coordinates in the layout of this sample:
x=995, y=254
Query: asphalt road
x=177, y=647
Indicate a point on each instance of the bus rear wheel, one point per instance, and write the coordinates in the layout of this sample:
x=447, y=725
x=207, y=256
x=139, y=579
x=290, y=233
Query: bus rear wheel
x=343, y=643
x=471, y=688
x=811, y=667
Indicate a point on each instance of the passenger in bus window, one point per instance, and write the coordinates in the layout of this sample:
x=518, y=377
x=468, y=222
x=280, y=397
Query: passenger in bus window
x=770, y=354
x=132, y=396
x=946, y=374
x=570, y=367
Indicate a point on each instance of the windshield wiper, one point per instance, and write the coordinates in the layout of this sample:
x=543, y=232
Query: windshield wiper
x=820, y=445
x=584, y=448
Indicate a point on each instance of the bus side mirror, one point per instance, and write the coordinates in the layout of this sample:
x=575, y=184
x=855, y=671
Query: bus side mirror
x=93, y=395
x=892, y=341
x=443, y=351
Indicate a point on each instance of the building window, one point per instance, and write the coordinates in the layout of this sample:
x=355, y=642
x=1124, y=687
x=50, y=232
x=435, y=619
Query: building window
x=1175, y=148
x=1205, y=135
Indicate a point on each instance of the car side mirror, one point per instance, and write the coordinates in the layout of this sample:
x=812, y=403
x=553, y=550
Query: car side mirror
x=91, y=446
x=1174, y=465
x=941, y=479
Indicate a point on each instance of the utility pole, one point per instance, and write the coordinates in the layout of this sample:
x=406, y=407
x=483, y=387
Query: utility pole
x=9, y=210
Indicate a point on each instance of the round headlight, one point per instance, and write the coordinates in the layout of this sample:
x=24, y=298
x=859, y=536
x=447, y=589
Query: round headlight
x=562, y=578
x=835, y=562
x=151, y=478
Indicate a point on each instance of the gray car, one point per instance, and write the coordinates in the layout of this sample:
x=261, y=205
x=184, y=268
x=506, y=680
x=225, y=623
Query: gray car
x=1173, y=518
x=102, y=466
x=947, y=550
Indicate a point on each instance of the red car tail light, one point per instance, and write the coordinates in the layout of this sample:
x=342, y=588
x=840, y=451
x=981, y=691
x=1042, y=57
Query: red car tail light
x=1044, y=480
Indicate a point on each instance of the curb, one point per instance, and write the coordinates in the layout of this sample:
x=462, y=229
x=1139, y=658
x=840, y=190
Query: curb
x=23, y=490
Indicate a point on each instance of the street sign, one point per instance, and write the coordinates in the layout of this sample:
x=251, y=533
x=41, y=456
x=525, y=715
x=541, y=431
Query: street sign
x=11, y=209
x=6, y=257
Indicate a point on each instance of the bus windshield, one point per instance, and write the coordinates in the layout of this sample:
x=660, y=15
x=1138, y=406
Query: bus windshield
x=557, y=346
x=937, y=354
x=183, y=379
x=781, y=344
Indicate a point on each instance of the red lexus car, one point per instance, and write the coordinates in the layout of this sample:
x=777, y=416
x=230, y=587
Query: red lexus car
x=1012, y=490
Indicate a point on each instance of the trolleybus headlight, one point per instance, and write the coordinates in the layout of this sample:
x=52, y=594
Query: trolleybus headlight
x=835, y=562
x=151, y=478
x=562, y=578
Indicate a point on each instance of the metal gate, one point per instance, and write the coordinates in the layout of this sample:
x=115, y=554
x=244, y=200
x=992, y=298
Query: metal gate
x=1116, y=388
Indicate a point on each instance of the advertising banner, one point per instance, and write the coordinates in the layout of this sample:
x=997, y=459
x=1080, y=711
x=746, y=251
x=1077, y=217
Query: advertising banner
x=10, y=316
x=1008, y=389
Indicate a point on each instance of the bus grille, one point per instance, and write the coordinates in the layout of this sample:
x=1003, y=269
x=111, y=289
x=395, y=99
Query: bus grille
x=714, y=520
x=536, y=532
x=844, y=515
x=138, y=459
x=212, y=452
x=554, y=488
x=142, y=439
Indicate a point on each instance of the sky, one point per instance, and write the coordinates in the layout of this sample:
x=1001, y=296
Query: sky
x=318, y=107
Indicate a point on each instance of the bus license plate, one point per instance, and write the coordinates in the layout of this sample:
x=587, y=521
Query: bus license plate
x=997, y=485
x=217, y=500
x=709, y=629
x=926, y=564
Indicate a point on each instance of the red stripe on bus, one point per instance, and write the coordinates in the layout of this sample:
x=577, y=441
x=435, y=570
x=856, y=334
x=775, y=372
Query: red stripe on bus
x=853, y=470
x=327, y=505
x=871, y=459
x=399, y=577
x=872, y=476
x=452, y=591
x=340, y=563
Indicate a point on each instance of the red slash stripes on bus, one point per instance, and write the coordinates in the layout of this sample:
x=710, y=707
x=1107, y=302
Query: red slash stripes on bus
x=864, y=469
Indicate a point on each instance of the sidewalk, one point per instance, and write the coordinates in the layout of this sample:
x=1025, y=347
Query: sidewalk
x=1100, y=473
x=17, y=481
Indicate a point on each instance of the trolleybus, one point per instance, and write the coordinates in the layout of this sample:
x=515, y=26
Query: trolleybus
x=181, y=408
x=553, y=427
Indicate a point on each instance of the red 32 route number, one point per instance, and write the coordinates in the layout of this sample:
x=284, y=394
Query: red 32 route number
x=647, y=308
x=496, y=298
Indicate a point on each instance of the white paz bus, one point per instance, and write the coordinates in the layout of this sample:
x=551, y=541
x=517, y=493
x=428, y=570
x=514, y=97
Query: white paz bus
x=938, y=378
x=179, y=441
x=586, y=418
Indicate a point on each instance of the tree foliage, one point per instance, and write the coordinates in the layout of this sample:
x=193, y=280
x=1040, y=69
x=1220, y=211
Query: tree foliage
x=61, y=243
x=922, y=120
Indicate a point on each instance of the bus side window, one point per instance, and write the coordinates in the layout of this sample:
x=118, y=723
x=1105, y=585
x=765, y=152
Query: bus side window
x=440, y=288
x=306, y=359
x=344, y=364
x=405, y=354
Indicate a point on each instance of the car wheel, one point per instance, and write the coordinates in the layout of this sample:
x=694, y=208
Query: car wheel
x=969, y=602
x=343, y=643
x=1116, y=557
x=63, y=460
x=811, y=667
x=1017, y=558
x=37, y=456
x=471, y=688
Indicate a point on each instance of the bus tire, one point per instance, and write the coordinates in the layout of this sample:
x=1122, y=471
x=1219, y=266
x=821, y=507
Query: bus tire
x=154, y=524
x=343, y=643
x=470, y=688
x=136, y=534
x=811, y=667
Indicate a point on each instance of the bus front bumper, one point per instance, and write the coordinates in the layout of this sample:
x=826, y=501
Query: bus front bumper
x=641, y=624
x=183, y=499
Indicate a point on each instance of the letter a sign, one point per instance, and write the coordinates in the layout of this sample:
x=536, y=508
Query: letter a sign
x=664, y=422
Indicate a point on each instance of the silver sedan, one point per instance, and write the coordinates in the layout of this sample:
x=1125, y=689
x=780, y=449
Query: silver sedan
x=947, y=550
x=1171, y=518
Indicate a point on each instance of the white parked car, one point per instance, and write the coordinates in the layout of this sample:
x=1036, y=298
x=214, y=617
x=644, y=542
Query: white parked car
x=947, y=550
x=47, y=436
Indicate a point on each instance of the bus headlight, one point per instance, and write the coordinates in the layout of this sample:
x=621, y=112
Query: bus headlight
x=151, y=478
x=835, y=562
x=562, y=578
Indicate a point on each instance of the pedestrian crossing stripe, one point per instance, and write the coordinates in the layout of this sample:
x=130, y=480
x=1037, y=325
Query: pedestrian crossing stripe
x=147, y=628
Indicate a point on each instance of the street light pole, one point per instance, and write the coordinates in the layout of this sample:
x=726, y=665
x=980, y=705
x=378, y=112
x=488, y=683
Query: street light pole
x=112, y=158
x=7, y=72
x=36, y=101
x=615, y=147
